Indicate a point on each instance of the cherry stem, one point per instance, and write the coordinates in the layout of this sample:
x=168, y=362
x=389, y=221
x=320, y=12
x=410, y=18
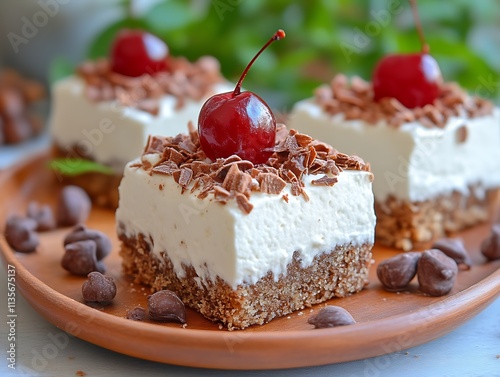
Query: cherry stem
x=418, y=24
x=280, y=34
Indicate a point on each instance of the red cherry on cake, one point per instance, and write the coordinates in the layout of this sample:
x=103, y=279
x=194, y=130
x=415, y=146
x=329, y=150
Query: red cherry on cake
x=238, y=122
x=413, y=79
x=136, y=52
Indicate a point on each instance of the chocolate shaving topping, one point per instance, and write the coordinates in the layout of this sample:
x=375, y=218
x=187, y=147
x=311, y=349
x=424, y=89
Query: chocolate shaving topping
x=325, y=181
x=232, y=178
x=270, y=183
x=354, y=100
x=184, y=80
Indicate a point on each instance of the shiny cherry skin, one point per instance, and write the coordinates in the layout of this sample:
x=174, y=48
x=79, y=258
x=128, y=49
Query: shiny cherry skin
x=413, y=79
x=136, y=52
x=243, y=125
x=239, y=123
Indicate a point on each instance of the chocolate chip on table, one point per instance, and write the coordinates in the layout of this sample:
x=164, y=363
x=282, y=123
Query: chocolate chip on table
x=166, y=306
x=98, y=288
x=331, y=316
x=396, y=273
x=436, y=272
x=136, y=314
x=81, y=233
x=80, y=258
x=43, y=215
x=455, y=249
x=20, y=234
x=490, y=247
x=73, y=206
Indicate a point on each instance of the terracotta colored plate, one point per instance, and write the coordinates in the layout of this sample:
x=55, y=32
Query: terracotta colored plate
x=387, y=322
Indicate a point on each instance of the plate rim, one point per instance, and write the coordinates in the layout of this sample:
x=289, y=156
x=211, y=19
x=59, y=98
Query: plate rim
x=241, y=349
x=241, y=345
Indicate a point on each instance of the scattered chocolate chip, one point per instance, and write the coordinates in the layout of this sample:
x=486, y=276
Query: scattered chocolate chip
x=43, y=216
x=396, y=273
x=81, y=233
x=331, y=316
x=490, y=247
x=436, y=272
x=136, y=314
x=20, y=234
x=166, y=306
x=73, y=206
x=80, y=258
x=454, y=248
x=98, y=288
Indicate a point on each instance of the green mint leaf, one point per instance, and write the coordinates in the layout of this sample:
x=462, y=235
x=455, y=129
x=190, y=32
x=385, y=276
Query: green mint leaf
x=77, y=166
x=60, y=68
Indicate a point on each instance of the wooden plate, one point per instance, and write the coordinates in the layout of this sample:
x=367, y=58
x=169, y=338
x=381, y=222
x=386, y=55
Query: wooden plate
x=386, y=322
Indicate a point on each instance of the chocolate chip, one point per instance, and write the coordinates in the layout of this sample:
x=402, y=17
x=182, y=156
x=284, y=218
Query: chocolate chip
x=20, y=234
x=73, y=206
x=81, y=233
x=436, y=272
x=166, y=306
x=490, y=247
x=80, y=258
x=454, y=248
x=331, y=316
x=396, y=273
x=136, y=314
x=98, y=288
x=43, y=216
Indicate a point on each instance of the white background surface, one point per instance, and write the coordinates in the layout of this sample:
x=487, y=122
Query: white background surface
x=472, y=350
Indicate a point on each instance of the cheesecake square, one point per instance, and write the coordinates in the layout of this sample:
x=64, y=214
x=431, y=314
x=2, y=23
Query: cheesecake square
x=107, y=117
x=437, y=168
x=243, y=243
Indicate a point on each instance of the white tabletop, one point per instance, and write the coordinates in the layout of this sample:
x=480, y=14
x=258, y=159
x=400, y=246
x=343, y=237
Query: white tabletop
x=42, y=349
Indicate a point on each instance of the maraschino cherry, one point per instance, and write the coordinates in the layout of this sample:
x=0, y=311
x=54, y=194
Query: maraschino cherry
x=238, y=122
x=413, y=79
x=136, y=52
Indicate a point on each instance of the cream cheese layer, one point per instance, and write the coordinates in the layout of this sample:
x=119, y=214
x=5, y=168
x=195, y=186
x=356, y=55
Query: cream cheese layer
x=222, y=241
x=413, y=162
x=110, y=133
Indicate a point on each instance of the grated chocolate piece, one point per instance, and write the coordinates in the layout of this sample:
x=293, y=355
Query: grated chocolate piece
x=325, y=181
x=235, y=179
x=184, y=80
x=270, y=183
x=355, y=100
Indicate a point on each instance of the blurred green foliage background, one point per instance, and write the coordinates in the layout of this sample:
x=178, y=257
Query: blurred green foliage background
x=323, y=37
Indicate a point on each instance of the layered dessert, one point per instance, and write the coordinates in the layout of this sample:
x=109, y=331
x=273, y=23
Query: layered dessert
x=437, y=166
x=105, y=112
x=243, y=243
